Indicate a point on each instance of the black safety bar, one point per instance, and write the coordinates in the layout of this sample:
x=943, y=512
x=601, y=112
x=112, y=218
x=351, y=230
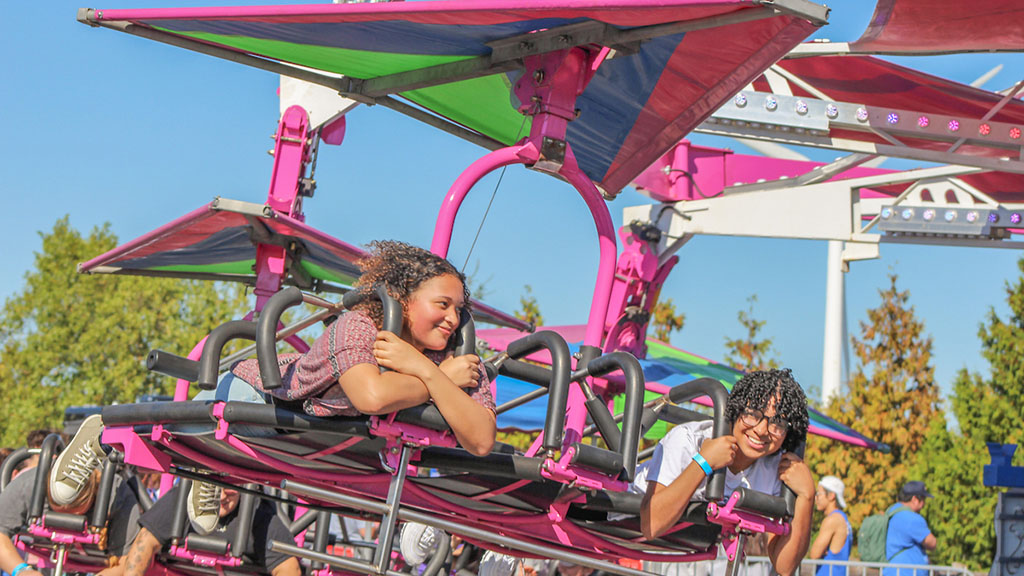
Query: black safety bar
x=558, y=386
x=179, y=522
x=716, y=391
x=787, y=493
x=52, y=445
x=246, y=512
x=101, y=503
x=633, y=410
x=172, y=365
x=10, y=463
x=761, y=503
x=209, y=362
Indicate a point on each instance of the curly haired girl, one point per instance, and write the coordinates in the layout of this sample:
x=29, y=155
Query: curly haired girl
x=767, y=411
x=340, y=374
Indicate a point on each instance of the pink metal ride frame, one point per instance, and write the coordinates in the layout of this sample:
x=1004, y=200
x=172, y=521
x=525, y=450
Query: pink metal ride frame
x=291, y=154
x=548, y=91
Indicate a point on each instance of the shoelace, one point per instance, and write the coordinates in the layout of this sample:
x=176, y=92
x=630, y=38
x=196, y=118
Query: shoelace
x=81, y=465
x=209, y=498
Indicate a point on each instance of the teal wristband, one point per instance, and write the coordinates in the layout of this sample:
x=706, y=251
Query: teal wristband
x=19, y=568
x=696, y=458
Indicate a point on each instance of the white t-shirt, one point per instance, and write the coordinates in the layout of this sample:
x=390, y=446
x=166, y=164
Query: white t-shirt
x=676, y=450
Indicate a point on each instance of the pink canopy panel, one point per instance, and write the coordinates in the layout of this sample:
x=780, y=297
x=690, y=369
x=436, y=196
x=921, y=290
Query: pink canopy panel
x=943, y=27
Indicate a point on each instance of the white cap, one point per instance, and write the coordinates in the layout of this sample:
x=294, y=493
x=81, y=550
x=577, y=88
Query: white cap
x=835, y=486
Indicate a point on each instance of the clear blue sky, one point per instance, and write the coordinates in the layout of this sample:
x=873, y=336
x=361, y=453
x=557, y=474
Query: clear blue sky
x=106, y=127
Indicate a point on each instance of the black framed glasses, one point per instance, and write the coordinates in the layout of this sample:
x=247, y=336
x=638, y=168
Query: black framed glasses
x=777, y=425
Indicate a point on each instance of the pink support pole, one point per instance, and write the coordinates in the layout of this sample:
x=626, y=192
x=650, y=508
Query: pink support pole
x=520, y=154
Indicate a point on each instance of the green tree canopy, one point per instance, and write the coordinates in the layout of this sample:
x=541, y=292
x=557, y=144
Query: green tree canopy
x=69, y=339
x=987, y=410
x=748, y=352
x=529, y=310
x=665, y=320
x=892, y=398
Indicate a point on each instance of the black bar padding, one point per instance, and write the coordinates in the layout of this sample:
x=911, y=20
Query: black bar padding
x=266, y=334
x=526, y=372
x=679, y=415
x=605, y=422
x=157, y=413
x=61, y=521
x=630, y=502
x=719, y=397
x=597, y=458
x=608, y=501
x=101, y=505
x=277, y=417
x=465, y=339
x=761, y=503
x=425, y=415
x=12, y=460
x=52, y=445
x=211, y=544
x=558, y=388
x=392, y=321
x=787, y=493
x=511, y=466
x=172, y=365
x=246, y=510
x=634, y=403
x=209, y=362
x=179, y=522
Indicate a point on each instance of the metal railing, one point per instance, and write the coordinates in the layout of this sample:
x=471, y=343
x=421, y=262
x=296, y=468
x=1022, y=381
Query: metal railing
x=761, y=566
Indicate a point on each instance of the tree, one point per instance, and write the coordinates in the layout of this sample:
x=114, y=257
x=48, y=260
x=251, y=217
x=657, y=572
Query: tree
x=69, y=339
x=749, y=353
x=665, y=320
x=892, y=399
x=987, y=410
x=529, y=310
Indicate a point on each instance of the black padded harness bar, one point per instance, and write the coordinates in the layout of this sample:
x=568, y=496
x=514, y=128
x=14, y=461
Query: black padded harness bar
x=719, y=397
x=558, y=387
x=209, y=362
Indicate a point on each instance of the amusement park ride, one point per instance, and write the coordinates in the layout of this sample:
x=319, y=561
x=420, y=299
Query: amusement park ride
x=605, y=91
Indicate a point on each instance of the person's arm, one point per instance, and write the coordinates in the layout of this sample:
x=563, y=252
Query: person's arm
x=664, y=505
x=473, y=425
x=10, y=559
x=930, y=542
x=825, y=536
x=373, y=392
x=787, y=551
x=289, y=567
x=141, y=554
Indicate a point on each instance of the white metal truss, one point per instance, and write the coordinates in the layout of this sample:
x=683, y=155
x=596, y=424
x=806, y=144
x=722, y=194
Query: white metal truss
x=816, y=122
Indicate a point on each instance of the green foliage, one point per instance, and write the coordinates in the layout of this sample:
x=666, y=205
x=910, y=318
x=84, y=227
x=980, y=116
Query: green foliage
x=962, y=514
x=665, y=320
x=529, y=310
x=748, y=353
x=70, y=339
x=892, y=399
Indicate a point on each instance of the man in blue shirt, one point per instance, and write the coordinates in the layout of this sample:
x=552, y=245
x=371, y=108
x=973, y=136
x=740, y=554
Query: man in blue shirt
x=908, y=536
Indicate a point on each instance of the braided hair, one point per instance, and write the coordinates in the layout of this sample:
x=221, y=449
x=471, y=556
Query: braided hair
x=403, y=268
x=756, y=389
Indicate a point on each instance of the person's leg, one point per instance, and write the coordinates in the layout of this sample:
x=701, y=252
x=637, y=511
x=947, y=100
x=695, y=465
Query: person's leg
x=71, y=473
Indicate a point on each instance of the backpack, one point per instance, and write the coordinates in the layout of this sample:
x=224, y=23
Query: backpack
x=872, y=534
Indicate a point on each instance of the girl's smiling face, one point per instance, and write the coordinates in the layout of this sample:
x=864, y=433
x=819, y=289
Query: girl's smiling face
x=432, y=312
x=759, y=433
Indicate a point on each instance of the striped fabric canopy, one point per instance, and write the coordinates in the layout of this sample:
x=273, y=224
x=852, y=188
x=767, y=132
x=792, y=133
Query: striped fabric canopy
x=667, y=65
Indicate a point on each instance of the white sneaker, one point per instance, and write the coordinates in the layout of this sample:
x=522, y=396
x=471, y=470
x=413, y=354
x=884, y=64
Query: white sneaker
x=418, y=542
x=75, y=464
x=203, y=505
x=497, y=564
